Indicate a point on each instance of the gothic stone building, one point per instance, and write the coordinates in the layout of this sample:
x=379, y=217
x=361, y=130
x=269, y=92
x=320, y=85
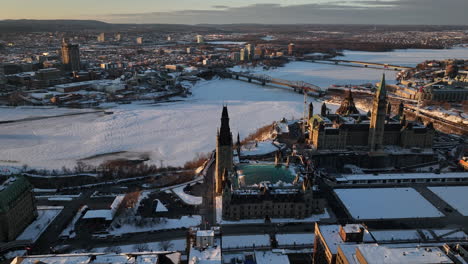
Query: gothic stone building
x=348, y=128
x=269, y=201
x=377, y=133
x=17, y=207
x=263, y=200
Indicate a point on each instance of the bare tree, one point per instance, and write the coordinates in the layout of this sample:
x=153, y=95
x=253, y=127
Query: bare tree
x=165, y=245
x=141, y=247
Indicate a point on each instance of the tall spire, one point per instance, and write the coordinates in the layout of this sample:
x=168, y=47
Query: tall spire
x=378, y=117
x=382, y=90
x=311, y=110
x=323, y=111
x=225, y=136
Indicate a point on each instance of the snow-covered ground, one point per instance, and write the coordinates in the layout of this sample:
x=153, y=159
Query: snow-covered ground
x=174, y=132
x=323, y=75
x=70, y=229
x=187, y=198
x=407, y=57
x=164, y=223
x=22, y=112
x=45, y=216
x=455, y=196
x=246, y=241
x=386, y=203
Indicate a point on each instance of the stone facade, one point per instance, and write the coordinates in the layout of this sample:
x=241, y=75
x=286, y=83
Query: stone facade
x=269, y=202
x=224, y=150
x=340, y=132
x=17, y=207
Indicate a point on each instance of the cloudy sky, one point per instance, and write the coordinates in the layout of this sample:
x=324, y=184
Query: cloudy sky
x=435, y=12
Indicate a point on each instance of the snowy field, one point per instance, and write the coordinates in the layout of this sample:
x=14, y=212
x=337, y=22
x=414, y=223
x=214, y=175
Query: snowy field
x=45, y=216
x=174, y=132
x=455, y=196
x=23, y=112
x=408, y=57
x=386, y=203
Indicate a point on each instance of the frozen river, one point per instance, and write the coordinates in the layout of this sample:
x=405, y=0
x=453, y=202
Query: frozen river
x=175, y=132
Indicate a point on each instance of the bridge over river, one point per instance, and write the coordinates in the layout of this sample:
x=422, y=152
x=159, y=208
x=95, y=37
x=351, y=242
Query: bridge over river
x=297, y=86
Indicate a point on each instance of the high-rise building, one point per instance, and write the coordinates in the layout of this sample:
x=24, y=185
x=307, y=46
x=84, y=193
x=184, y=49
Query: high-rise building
x=118, y=37
x=378, y=117
x=70, y=56
x=224, y=147
x=236, y=56
x=101, y=37
x=200, y=39
x=250, y=51
x=291, y=49
x=139, y=40
x=244, y=55
x=17, y=207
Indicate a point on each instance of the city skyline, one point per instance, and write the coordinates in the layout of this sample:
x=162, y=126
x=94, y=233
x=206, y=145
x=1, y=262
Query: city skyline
x=433, y=12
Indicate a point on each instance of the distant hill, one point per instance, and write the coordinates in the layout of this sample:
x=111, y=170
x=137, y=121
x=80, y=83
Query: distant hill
x=27, y=25
x=30, y=25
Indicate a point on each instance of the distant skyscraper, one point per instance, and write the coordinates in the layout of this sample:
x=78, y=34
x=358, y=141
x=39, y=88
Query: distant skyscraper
x=250, y=51
x=244, y=55
x=139, y=40
x=291, y=49
x=236, y=56
x=169, y=38
x=118, y=37
x=101, y=37
x=200, y=39
x=70, y=56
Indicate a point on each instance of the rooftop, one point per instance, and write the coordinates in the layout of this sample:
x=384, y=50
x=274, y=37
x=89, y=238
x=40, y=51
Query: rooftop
x=250, y=174
x=124, y=258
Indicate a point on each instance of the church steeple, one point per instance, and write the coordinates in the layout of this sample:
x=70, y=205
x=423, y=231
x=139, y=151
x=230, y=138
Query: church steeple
x=224, y=149
x=225, y=136
x=378, y=116
x=311, y=110
x=323, y=111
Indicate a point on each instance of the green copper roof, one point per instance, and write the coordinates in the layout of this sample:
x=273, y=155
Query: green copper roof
x=11, y=189
x=256, y=173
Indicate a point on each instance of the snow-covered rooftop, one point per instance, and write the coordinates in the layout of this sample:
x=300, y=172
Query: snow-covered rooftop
x=400, y=176
x=211, y=255
x=375, y=254
x=386, y=203
x=455, y=196
x=268, y=257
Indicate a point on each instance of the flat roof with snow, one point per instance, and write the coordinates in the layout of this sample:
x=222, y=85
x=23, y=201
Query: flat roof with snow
x=455, y=196
x=386, y=203
x=401, y=176
x=375, y=254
